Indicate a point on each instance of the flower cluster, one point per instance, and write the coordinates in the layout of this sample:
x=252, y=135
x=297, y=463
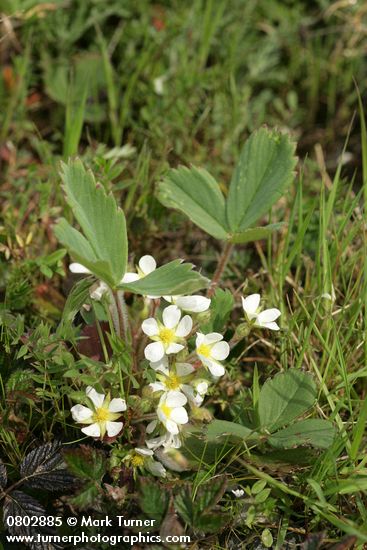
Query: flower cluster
x=184, y=360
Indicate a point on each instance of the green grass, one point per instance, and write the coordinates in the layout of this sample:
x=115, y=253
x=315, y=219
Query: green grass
x=88, y=86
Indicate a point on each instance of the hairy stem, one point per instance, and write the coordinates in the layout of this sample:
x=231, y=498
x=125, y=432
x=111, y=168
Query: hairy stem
x=223, y=260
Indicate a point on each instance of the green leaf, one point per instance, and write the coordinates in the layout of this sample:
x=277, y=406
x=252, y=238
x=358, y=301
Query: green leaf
x=264, y=170
x=77, y=297
x=86, y=462
x=3, y=475
x=221, y=307
x=224, y=429
x=285, y=397
x=255, y=233
x=196, y=193
x=153, y=499
x=315, y=432
x=173, y=278
x=80, y=249
x=100, y=219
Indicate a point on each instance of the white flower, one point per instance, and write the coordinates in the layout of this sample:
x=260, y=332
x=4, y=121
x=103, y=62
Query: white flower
x=192, y=304
x=264, y=319
x=167, y=335
x=98, y=292
x=101, y=418
x=167, y=440
x=238, y=493
x=211, y=349
x=171, y=412
x=143, y=458
x=179, y=379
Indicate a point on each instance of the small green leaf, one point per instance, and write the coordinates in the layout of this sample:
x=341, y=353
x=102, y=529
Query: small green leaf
x=100, y=219
x=264, y=170
x=314, y=431
x=255, y=233
x=196, y=193
x=85, y=462
x=220, y=308
x=173, y=278
x=77, y=297
x=285, y=397
x=224, y=429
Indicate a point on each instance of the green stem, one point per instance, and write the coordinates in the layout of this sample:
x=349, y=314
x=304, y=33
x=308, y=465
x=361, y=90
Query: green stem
x=223, y=260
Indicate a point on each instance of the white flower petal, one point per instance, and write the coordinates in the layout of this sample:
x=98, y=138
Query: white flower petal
x=96, y=398
x=200, y=339
x=154, y=351
x=215, y=368
x=81, y=413
x=143, y=452
x=117, y=405
x=147, y=264
x=155, y=442
x=175, y=399
x=194, y=304
x=156, y=468
x=212, y=337
x=184, y=326
x=271, y=326
x=93, y=430
x=98, y=292
x=251, y=303
x=150, y=327
x=171, y=316
x=202, y=387
x=170, y=299
x=183, y=369
x=157, y=386
x=161, y=365
x=179, y=415
x=151, y=426
x=172, y=427
x=130, y=277
x=78, y=268
x=113, y=428
x=220, y=351
x=268, y=315
x=174, y=348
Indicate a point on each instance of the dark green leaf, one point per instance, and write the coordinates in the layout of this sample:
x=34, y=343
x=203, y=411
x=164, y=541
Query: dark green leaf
x=264, y=170
x=20, y=504
x=185, y=506
x=153, y=499
x=87, y=497
x=212, y=523
x=86, y=462
x=173, y=278
x=77, y=297
x=196, y=193
x=285, y=397
x=221, y=308
x=315, y=432
x=255, y=233
x=44, y=468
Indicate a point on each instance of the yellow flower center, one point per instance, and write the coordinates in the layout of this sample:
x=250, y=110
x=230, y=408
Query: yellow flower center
x=137, y=460
x=173, y=382
x=166, y=410
x=167, y=336
x=204, y=350
x=101, y=414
